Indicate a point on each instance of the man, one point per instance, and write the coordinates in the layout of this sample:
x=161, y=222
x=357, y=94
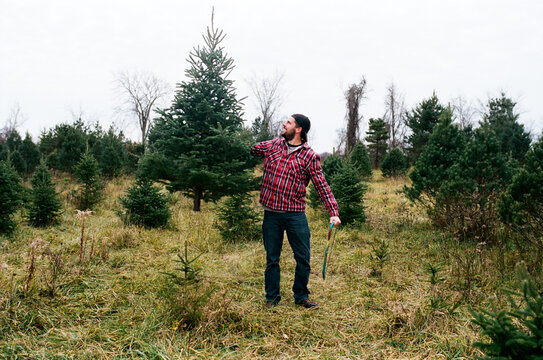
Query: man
x=289, y=165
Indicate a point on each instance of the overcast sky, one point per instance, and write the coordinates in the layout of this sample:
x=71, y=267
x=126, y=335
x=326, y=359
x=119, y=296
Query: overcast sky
x=59, y=58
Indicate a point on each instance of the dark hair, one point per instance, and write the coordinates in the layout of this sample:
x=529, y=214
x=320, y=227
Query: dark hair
x=303, y=122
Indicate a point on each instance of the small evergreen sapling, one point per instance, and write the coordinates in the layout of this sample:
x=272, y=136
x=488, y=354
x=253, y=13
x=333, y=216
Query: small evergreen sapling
x=395, y=164
x=88, y=176
x=360, y=160
x=145, y=205
x=349, y=193
x=515, y=334
x=44, y=207
x=238, y=220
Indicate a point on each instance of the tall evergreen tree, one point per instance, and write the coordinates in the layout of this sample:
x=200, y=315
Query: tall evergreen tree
x=30, y=153
x=421, y=121
x=477, y=180
x=44, y=207
x=521, y=207
x=87, y=174
x=377, y=141
x=10, y=196
x=360, y=160
x=432, y=169
x=502, y=119
x=196, y=141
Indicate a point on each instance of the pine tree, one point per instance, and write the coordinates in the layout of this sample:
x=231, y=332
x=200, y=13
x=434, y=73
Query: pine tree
x=360, y=160
x=111, y=153
x=30, y=153
x=18, y=163
x=44, y=207
x=197, y=140
x=237, y=220
x=4, y=151
x=13, y=140
x=503, y=121
x=349, y=193
x=521, y=207
x=514, y=334
x=433, y=169
x=330, y=166
x=10, y=196
x=395, y=164
x=260, y=130
x=87, y=174
x=476, y=181
x=145, y=205
x=421, y=121
x=377, y=141
x=63, y=145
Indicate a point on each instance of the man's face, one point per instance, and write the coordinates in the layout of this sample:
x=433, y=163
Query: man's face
x=289, y=129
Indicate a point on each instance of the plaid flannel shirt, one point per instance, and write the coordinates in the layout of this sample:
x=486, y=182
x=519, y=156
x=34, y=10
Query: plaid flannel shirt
x=286, y=177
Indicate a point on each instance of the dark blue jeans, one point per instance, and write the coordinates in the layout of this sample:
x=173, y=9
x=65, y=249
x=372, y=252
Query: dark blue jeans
x=273, y=228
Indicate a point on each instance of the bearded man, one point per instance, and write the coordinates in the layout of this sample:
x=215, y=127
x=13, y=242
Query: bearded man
x=288, y=166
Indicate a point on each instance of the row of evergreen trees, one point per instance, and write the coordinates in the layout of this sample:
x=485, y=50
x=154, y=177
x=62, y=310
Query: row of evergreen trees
x=63, y=145
x=481, y=182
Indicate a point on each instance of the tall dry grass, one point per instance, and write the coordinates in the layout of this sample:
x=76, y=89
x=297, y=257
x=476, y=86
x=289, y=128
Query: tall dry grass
x=109, y=301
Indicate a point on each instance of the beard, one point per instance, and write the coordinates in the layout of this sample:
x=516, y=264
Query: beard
x=288, y=135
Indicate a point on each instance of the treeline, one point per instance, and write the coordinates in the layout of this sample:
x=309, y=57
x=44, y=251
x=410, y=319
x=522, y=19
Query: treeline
x=62, y=147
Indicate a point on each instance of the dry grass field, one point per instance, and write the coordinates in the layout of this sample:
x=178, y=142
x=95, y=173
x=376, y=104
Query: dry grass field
x=395, y=288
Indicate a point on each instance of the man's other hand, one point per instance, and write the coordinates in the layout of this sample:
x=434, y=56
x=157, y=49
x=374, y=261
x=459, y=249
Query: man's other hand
x=335, y=220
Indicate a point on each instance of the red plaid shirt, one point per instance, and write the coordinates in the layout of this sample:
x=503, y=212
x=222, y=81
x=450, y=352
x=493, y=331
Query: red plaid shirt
x=286, y=176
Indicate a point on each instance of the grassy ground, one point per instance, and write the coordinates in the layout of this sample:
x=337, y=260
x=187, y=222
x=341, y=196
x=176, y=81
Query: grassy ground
x=114, y=301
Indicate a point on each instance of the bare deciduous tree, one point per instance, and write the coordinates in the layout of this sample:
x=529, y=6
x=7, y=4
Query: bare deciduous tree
x=463, y=112
x=395, y=117
x=354, y=96
x=141, y=92
x=15, y=119
x=269, y=99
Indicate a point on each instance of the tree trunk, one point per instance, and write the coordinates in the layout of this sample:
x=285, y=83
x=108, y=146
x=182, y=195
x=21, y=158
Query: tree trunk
x=197, y=199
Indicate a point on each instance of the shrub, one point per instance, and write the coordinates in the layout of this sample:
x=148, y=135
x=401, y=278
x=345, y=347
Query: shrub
x=237, y=220
x=395, y=164
x=44, y=207
x=145, y=205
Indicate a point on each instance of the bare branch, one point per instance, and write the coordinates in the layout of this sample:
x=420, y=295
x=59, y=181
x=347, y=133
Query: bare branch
x=463, y=112
x=15, y=119
x=141, y=92
x=269, y=100
x=395, y=117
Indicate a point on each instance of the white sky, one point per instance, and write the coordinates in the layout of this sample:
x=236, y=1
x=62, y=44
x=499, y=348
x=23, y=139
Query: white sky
x=60, y=57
